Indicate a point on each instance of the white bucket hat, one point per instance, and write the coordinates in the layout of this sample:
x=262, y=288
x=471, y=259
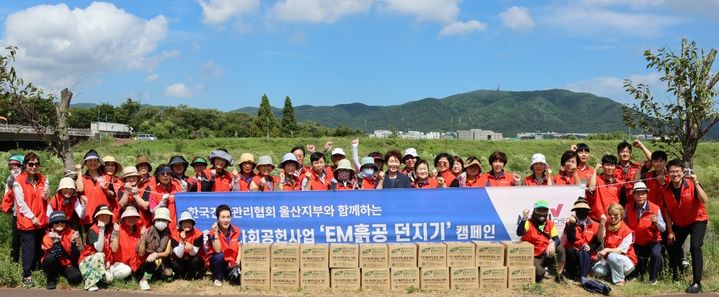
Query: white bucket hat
x=338, y=151
x=162, y=213
x=538, y=159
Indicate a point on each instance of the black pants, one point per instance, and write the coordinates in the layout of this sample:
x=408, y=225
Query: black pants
x=697, y=231
x=31, y=244
x=156, y=270
x=15, y=244
x=550, y=263
x=221, y=269
x=653, y=253
x=188, y=268
x=52, y=267
x=578, y=263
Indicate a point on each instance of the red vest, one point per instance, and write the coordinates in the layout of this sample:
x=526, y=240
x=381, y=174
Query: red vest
x=504, y=180
x=655, y=189
x=369, y=183
x=65, y=242
x=645, y=232
x=630, y=174
x=614, y=239
x=244, y=183
x=156, y=196
x=144, y=194
x=563, y=179
x=585, y=236
x=57, y=204
x=190, y=238
x=605, y=194
x=95, y=197
x=89, y=249
x=222, y=181
x=430, y=183
x=127, y=249
x=448, y=176
x=350, y=185
x=8, y=200
x=687, y=210
x=229, y=247
x=294, y=185
x=34, y=201
x=540, y=240
x=531, y=181
x=264, y=186
x=317, y=183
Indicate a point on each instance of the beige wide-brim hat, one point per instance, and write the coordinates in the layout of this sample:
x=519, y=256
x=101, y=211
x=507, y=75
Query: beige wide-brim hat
x=129, y=171
x=66, y=183
x=130, y=211
x=111, y=159
x=162, y=213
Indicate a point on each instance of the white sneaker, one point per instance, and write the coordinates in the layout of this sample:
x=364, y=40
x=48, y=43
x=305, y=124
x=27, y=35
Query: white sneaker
x=108, y=277
x=92, y=289
x=144, y=285
x=218, y=283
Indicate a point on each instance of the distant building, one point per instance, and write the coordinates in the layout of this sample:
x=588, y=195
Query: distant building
x=550, y=135
x=406, y=135
x=105, y=129
x=479, y=134
x=381, y=134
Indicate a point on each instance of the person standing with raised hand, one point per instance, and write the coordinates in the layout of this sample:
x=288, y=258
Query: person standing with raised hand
x=219, y=178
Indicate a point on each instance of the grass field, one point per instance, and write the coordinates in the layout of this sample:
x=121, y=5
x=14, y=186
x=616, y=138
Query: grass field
x=519, y=153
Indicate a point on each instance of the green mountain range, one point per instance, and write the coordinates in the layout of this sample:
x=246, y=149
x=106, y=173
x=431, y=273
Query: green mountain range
x=501, y=111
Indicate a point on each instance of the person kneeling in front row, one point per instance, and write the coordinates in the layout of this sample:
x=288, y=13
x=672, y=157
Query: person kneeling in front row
x=541, y=232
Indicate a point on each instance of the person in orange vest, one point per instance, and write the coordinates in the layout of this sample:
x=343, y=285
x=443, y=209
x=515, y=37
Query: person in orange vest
x=319, y=177
x=96, y=254
x=94, y=189
x=163, y=193
x=179, y=165
x=31, y=191
x=569, y=174
x=132, y=195
x=580, y=241
x=263, y=181
x=685, y=200
x=443, y=167
x=14, y=165
x=409, y=159
x=541, y=174
x=422, y=178
x=246, y=174
x=125, y=260
x=368, y=172
x=199, y=164
x=113, y=170
x=471, y=177
x=627, y=168
x=60, y=247
x=187, y=249
x=219, y=178
x=617, y=258
x=345, y=177
x=539, y=230
x=657, y=172
x=289, y=180
x=299, y=153
x=67, y=201
x=223, y=248
x=154, y=246
x=584, y=170
x=645, y=218
x=497, y=176
x=604, y=190
x=144, y=167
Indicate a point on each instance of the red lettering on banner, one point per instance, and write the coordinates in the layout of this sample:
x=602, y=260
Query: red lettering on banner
x=556, y=211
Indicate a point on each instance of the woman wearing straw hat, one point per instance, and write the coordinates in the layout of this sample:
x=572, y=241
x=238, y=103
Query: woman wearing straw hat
x=60, y=250
x=540, y=172
x=580, y=242
x=263, y=181
x=67, y=201
x=219, y=179
x=124, y=246
x=470, y=178
x=144, y=167
x=289, y=181
x=344, y=177
x=113, y=170
x=187, y=249
x=132, y=195
x=154, y=246
x=246, y=174
x=96, y=254
x=93, y=188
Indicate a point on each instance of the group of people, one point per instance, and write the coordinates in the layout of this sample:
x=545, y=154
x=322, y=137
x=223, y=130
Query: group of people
x=108, y=222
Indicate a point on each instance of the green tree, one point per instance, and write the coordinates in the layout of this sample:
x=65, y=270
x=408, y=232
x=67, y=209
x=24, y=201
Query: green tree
x=288, y=125
x=680, y=124
x=265, y=123
x=127, y=111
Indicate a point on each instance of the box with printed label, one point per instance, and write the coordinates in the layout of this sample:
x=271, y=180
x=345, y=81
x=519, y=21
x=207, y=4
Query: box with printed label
x=255, y=278
x=345, y=278
x=460, y=254
x=464, y=277
x=344, y=255
x=403, y=278
x=285, y=279
x=402, y=255
x=314, y=256
x=431, y=255
x=489, y=254
x=285, y=255
x=492, y=277
x=375, y=279
x=255, y=255
x=434, y=278
x=314, y=278
x=373, y=255
x=519, y=277
x=518, y=253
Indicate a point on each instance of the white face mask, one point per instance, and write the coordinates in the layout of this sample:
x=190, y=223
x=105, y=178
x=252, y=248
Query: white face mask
x=367, y=172
x=161, y=225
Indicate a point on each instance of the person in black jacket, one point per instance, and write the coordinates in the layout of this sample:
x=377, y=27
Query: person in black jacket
x=393, y=179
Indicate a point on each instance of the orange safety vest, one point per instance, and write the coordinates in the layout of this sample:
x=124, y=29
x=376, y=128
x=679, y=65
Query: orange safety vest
x=645, y=232
x=34, y=201
x=127, y=249
x=614, y=239
x=687, y=210
x=540, y=239
x=229, y=245
x=65, y=242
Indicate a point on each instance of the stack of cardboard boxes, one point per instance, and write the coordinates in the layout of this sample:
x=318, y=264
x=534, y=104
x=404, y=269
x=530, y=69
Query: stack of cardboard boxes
x=394, y=266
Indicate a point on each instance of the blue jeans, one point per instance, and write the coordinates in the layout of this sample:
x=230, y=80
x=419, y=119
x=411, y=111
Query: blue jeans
x=616, y=264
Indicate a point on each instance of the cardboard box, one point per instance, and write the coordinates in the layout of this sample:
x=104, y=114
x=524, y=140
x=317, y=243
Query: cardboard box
x=375, y=279
x=402, y=255
x=431, y=255
x=345, y=278
x=461, y=254
x=285, y=255
x=314, y=256
x=315, y=278
x=434, y=278
x=285, y=279
x=463, y=278
x=493, y=277
x=519, y=277
x=343, y=255
x=489, y=254
x=403, y=278
x=255, y=279
x=255, y=256
x=373, y=255
x=518, y=253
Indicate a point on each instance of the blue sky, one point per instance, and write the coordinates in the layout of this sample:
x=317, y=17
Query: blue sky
x=225, y=54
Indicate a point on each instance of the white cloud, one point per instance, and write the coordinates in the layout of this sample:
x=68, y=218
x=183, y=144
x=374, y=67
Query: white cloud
x=461, y=28
x=178, y=90
x=213, y=70
x=593, y=22
x=443, y=11
x=219, y=11
x=152, y=77
x=633, y=3
x=517, y=18
x=58, y=46
x=318, y=11
x=613, y=87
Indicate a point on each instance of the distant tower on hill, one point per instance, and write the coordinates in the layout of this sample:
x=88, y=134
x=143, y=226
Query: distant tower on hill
x=498, y=89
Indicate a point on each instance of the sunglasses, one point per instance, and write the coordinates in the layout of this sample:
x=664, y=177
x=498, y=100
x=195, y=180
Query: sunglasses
x=33, y=164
